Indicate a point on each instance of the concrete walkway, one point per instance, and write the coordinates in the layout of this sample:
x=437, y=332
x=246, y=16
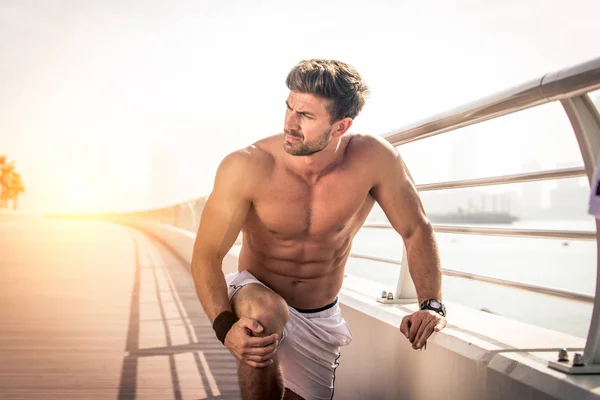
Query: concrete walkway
x=94, y=310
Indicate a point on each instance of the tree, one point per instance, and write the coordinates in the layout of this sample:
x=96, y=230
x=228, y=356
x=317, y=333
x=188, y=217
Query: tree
x=6, y=171
x=2, y=183
x=15, y=188
x=11, y=184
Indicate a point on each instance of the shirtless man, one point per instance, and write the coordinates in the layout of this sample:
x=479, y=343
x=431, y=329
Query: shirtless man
x=299, y=198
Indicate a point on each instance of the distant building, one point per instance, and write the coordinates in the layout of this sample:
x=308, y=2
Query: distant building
x=530, y=202
x=570, y=198
x=570, y=201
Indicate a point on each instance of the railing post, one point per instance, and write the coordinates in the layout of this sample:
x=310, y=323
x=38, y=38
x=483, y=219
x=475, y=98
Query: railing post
x=405, y=288
x=586, y=124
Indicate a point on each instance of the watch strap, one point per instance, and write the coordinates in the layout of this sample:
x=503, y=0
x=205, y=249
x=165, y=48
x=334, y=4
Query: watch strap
x=426, y=305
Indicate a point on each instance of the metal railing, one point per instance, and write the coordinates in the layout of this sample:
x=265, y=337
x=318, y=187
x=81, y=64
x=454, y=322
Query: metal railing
x=576, y=172
x=566, y=294
x=565, y=173
x=563, y=84
x=569, y=86
x=515, y=232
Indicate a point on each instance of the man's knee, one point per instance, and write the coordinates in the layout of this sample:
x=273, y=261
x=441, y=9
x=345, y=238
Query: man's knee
x=262, y=304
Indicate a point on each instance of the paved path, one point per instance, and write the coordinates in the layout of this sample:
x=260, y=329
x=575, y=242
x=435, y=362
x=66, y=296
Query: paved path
x=94, y=310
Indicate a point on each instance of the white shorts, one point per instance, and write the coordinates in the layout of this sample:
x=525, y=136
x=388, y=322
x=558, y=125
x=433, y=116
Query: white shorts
x=310, y=346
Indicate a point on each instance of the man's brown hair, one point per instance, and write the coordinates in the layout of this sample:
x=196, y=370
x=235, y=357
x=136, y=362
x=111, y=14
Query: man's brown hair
x=333, y=80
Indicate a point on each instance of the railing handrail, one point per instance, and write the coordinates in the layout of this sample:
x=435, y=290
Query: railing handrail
x=565, y=83
x=586, y=298
x=489, y=231
x=563, y=173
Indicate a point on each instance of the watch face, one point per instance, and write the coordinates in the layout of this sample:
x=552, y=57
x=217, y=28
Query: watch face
x=435, y=304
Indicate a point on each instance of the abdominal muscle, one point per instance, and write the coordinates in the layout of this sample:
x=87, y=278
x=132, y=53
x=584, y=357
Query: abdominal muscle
x=306, y=274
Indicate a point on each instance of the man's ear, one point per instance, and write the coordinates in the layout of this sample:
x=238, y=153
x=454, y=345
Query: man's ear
x=342, y=126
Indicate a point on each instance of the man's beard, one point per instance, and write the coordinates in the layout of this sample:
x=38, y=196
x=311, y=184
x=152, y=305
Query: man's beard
x=306, y=148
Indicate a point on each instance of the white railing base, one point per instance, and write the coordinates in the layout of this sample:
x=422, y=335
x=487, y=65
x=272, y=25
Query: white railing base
x=396, y=301
x=568, y=368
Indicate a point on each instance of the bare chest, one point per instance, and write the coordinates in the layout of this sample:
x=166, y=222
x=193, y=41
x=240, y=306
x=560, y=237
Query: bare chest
x=291, y=208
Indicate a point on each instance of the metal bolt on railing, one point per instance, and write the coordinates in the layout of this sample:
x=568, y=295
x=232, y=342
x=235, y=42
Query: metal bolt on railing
x=390, y=296
x=563, y=355
x=384, y=295
x=578, y=360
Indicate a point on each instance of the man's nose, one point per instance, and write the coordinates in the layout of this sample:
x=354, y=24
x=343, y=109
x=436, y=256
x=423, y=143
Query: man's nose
x=291, y=121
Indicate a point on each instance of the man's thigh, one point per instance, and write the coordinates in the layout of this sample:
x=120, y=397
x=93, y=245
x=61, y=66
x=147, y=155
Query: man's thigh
x=309, y=362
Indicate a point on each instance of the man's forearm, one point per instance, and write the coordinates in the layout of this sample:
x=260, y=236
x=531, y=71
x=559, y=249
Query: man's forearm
x=210, y=285
x=424, y=263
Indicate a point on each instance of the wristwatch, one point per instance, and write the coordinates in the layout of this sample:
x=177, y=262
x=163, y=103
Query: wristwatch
x=435, y=305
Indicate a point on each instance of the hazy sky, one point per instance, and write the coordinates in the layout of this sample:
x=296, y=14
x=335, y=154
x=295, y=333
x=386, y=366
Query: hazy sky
x=92, y=91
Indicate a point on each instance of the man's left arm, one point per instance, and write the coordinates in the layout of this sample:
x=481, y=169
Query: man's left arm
x=395, y=192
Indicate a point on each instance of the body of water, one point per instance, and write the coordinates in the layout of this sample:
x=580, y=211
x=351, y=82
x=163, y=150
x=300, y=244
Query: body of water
x=555, y=263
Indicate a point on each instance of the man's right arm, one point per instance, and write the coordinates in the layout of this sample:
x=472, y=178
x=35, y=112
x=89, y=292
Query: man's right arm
x=222, y=218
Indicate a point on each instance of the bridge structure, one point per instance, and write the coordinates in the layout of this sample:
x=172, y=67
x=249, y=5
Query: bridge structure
x=105, y=307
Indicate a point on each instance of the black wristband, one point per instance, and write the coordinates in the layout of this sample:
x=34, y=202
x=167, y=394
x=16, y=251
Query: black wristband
x=223, y=323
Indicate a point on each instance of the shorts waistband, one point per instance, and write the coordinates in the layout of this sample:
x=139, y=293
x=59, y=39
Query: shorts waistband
x=315, y=310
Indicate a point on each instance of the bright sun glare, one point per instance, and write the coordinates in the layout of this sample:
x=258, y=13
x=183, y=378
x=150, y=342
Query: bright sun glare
x=79, y=198
x=108, y=82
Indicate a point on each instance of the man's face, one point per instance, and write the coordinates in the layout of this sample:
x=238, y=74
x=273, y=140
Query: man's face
x=307, y=128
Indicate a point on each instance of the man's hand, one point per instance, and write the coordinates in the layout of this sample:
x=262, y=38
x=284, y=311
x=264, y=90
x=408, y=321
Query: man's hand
x=243, y=342
x=418, y=326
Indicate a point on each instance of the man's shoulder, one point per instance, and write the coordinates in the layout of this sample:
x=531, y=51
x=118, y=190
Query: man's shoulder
x=374, y=148
x=253, y=159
